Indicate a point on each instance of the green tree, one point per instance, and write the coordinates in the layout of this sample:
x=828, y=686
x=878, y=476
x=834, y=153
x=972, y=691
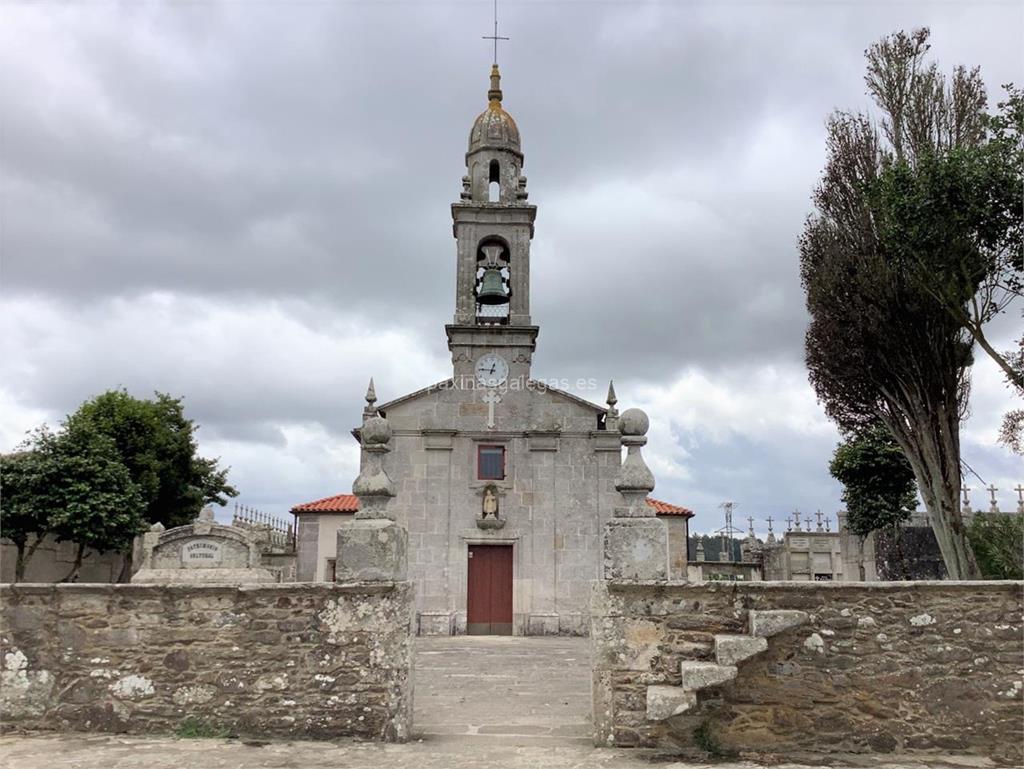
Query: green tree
x=910, y=252
x=998, y=542
x=950, y=216
x=22, y=520
x=74, y=487
x=89, y=494
x=1011, y=431
x=878, y=481
x=156, y=442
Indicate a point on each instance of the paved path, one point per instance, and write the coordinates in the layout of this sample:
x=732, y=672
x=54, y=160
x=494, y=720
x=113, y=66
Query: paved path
x=489, y=686
x=114, y=752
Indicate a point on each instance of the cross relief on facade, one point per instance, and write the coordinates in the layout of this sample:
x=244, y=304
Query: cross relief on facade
x=492, y=399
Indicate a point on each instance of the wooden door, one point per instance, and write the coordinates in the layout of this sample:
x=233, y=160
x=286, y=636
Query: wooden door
x=489, y=595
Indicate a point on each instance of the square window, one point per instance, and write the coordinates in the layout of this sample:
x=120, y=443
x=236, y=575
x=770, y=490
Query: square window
x=490, y=463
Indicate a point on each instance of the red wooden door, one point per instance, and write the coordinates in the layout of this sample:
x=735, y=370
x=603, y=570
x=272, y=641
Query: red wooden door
x=489, y=600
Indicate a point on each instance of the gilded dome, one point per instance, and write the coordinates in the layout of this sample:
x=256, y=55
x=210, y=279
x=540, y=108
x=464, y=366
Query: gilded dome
x=494, y=128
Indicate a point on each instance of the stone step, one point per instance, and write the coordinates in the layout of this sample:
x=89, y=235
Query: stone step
x=765, y=624
x=667, y=701
x=701, y=675
x=733, y=649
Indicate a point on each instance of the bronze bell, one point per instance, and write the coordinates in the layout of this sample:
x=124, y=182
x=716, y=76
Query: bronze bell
x=492, y=288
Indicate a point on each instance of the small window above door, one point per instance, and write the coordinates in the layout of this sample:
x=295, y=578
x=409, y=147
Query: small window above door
x=490, y=463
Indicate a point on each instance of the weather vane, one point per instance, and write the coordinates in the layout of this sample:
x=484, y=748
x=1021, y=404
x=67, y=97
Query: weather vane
x=495, y=37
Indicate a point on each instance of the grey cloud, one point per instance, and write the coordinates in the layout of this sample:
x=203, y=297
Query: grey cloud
x=304, y=156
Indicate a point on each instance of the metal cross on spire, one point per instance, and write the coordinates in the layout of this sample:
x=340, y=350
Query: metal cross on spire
x=495, y=37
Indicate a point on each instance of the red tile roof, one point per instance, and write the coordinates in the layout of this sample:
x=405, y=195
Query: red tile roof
x=340, y=503
x=349, y=503
x=664, y=508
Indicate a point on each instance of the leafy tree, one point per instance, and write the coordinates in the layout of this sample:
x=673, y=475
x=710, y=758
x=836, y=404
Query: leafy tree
x=1011, y=431
x=906, y=258
x=88, y=493
x=74, y=487
x=878, y=481
x=22, y=520
x=156, y=443
x=947, y=202
x=998, y=542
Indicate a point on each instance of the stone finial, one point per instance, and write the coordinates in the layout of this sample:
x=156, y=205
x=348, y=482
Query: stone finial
x=206, y=514
x=494, y=94
x=770, y=539
x=1020, y=498
x=635, y=539
x=818, y=514
x=373, y=547
x=371, y=398
x=611, y=421
x=965, y=507
x=157, y=527
x=373, y=485
x=635, y=479
x=700, y=550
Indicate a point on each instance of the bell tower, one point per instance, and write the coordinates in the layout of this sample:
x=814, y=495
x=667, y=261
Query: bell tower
x=493, y=226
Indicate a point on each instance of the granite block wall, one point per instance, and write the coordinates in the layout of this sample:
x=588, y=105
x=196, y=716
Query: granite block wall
x=313, y=661
x=911, y=667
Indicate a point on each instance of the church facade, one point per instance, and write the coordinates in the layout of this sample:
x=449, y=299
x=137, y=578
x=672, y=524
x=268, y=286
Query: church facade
x=503, y=483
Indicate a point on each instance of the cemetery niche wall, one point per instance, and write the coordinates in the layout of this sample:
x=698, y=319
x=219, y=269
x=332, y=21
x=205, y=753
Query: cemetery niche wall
x=205, y=551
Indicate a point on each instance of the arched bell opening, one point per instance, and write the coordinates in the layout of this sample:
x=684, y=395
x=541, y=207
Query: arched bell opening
x=492, y=288
x=494, y=183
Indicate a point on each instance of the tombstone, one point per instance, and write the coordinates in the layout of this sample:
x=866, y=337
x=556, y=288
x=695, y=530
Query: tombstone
x=202, y=552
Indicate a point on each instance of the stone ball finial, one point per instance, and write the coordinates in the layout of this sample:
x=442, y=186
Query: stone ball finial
x=376, y=431
x=634, y=422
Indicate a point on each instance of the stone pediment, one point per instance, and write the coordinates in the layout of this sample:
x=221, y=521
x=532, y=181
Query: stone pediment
x=536, y=389
x=443, y=409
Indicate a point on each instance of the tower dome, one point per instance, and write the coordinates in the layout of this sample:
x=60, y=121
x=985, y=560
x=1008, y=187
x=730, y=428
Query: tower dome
x=494, y=128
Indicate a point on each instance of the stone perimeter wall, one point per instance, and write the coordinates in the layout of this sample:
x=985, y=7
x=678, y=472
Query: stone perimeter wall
x=880, y=668
x=299, y=660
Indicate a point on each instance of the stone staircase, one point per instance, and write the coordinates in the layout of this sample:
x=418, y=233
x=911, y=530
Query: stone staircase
x=730, y=650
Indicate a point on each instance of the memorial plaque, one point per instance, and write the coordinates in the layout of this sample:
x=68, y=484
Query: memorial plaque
x=202, y=553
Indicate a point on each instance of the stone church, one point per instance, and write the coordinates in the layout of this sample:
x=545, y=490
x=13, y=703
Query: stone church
x=503, y=483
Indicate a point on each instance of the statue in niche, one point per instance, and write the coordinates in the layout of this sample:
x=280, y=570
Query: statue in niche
x=489, y=518
x=490, y=507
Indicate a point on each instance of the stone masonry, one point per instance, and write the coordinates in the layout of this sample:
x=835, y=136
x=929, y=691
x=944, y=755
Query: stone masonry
x=319, y=661
x=925, y=667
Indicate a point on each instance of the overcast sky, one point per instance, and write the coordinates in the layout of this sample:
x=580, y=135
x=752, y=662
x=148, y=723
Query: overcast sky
x=247, y=204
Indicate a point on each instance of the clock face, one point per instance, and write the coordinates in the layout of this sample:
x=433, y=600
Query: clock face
x=491, y=370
